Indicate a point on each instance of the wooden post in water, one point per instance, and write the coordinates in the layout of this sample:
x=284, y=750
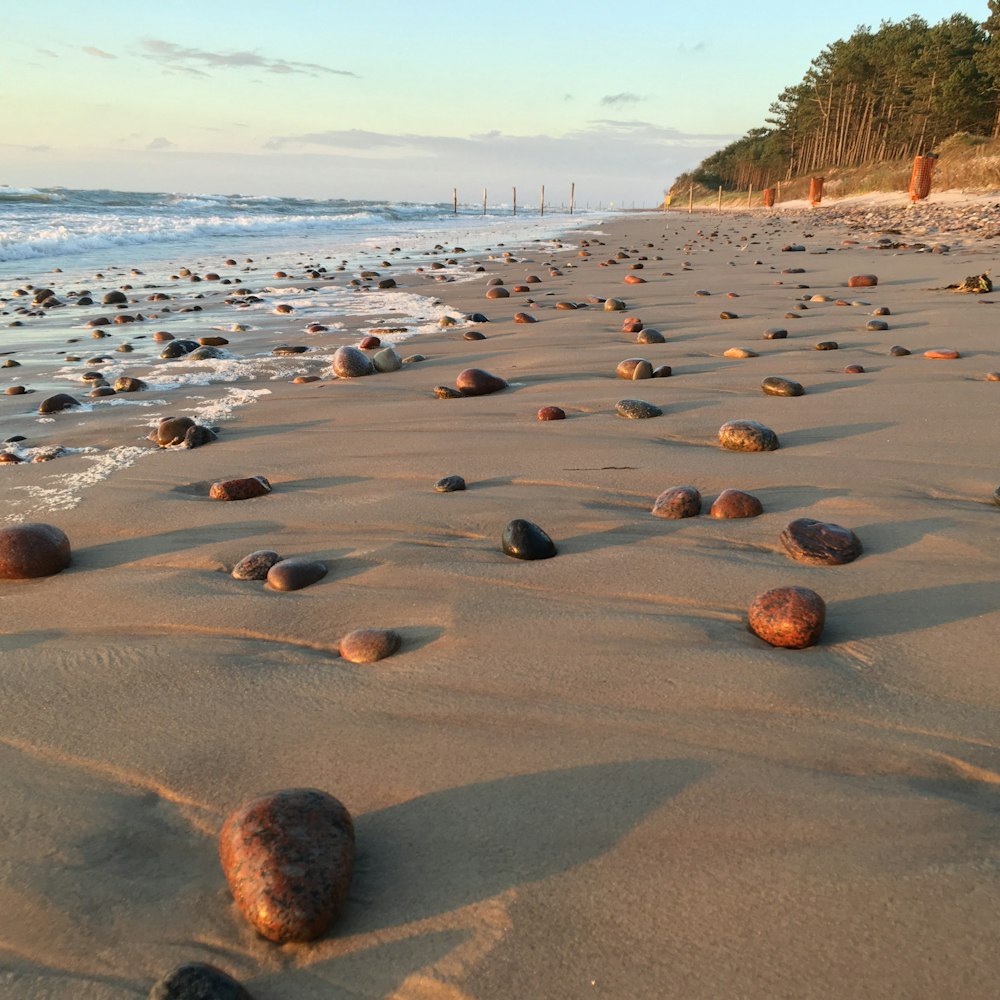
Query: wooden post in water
x=719, y=204
x=749, y=195
x=484, y=201
x=541, y=202
x=690, y=199
x=515, y=201
x=572, y=196
x=454, y=201
x=777, y=196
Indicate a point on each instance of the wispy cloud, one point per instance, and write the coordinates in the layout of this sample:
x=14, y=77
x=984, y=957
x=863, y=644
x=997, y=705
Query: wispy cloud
x=623, y=98
x=47, y=52
x=689, y=49
x=98, y=53
x=161, y=143
x=195, y=61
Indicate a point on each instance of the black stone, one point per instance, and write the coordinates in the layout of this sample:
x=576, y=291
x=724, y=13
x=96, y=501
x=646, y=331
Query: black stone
x=450, y=484
x=820, y=543
x=525, y=540
x=60, y=401
x=775, y=385
x=198, y=981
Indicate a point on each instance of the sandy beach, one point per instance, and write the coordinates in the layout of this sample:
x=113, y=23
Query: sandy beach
x=580, y=776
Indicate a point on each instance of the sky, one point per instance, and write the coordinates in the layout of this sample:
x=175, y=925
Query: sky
x=402, y=99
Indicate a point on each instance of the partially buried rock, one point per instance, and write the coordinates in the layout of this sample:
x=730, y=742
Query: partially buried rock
x=449, y=484
x=60, y=401
x=820, y=543
x=942, y=354
x=747, y=435
x=551, y=413
x=898, y=352
x=477, y=382
x=827, y=345
x=198, y=435
x=637, y=409
x=862, y=281
x=775, y=333
x=789, y=617
x=876, y=325
x=735, y=504
x=288, y=858
x=677, y=502
x=650, y=337
x=295, y=574
x=368, y=645
x=628, y=368
x=255, y=566
x=170, y=431
x=525, y=540
x=739, y=352
x=446, y=392
x=239, y=489
x=349, y=362
x=198, y=981
x=126, y=383
x=28, y=551
x=775, y=385
x=387, y=360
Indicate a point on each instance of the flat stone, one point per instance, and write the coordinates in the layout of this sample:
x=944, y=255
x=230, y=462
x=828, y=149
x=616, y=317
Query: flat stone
x=368, y=645
x=295, y=573
x=827, y=345
x=449, y=484
x=349, y=362
x=747, y=435
x=288, y=857
x=239, y=489
x=551, y=413
x=735, y=504
x=446, y=392
x=29, y=551
x=477, y=382
x=820, y=543
x=876, y=325
x=677, y=502
x=854, y=370
x=775, y=385
x=198, y=981
x=942, y=354
x=862, y=281
x=255, y=566
x=637, y=409
x=281, y=351
x=788, y=617
x=728, y=315
x=739, y=352
x=775, y=333
x=60, y=401
x=526, y=540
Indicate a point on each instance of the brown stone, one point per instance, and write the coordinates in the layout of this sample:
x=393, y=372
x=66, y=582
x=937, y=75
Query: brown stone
x=897, y=351
x=728, y=315
x=662, y=371
x=126, y=383
x=627, y=368
x=820, y=543
x=255, y=565
x=862, y=281
x=497, y=292
x=28, y=551
x=631, y=325
x=288, y=858
x=477, y=382
x=634, y=279
x=789, y=617
x=827, y=345
x=240, y=489
x=775, y=385
x=295, y=574
x=60, y=401
x=349, y=362
x=739, y=352
x=614, y=305
x=993, y=376
x=171, y=430
x=446, y=392
x=650, y=337
x=551, y=413
x=523, y=317
x=677, y=502
x=735, y=504
x=369, y=343
x=368, y=645
x=747, y=435
x=566, y=305
x=854, y=370
x=942, y=354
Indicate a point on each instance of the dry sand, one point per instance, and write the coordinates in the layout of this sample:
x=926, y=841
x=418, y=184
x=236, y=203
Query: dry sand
x=581, y=777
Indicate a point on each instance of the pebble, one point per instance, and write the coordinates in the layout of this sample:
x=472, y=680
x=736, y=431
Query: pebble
x=450, y=484
x=387, y=360
x=862, y=281
x=827, y=345
x=288, y=857
x=198, y=981
x=523, y=317
x=735, y=504
x=627, y=368
x=739, y=352
x=349, y=362
x=255, y=566
x=728, y=315
x=128, y=384
x=996, y=496
x=942, y=354
x=876, y=325
x=170, y=431
x=662, y=371
x=473, y=335
x=368, y=645
x=789, y=617
x=369, y=343
x=637, y=409
x=677, y=502
x=854, y=370
x=820, y=543
x=551, y=413
x=526, y=540
x=477, y=382
x=650, y=337
x=632, y=325
x=497, y=292
x=747, y=435
x=446, y=392
x=566, y=305
x=60, y=401
x=993, y=376
x=15, y=390
x=295, y=573
x=898, y=352
x=239, y=489
x=28, y=551
x=614, y=305
x=881, y=311
x=775, y=333
x=775, y=385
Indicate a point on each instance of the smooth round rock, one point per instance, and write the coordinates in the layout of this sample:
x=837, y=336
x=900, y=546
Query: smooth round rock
x=735, y=504
x=993, y=376
x=29, y=551
x=60, y=401
x=114, y=298
x=256, y=565
x=497, y=292
x=677, y=502
x=862, y=281
x=827, y=345
x=198, y=435
x=446, y=392
x=523, y=317
x=747, y=435
x=614, y=305
x=551, y=413
x=387, y=360
x=369, y=343
x=632, y=325
x=627, y=368
x=126, y=383
x=477, y=382
x=198, y=981
x=473, y=335
x=876, y=325
x=525, y=540
x=171, y=430
x=239, y=489
x=349, y=362
x=450, y=484
x=775, y=385
x=898, y=352
x=739, y=352
x=788, y=617
x=820, y=543
x=368, y=645
x=942, y=354
x=854, y=370
x=295, y=573
x=775, y=333
x=728, y=315
x=637, y=409
x=650, y=337
x=661, y=371
x=15, y=390
x=288, y=858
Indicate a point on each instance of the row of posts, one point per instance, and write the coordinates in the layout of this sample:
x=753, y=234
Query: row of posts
x=541, y=200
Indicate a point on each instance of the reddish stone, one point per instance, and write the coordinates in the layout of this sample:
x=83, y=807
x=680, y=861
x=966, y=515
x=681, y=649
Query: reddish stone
x=295, y=574
x=523, y=317
x=942, y=354
x=240, y=489
x=627, y=368
x=677, y=502
x=820, y=543
x=497, y=292
x=520, y=288
x=634, y=279
x=789, y=617
x=288, y=858
x=302, y=379
x=747, y=435
x=8, y=457
x=735, y=504
x=368, y=645
x=728, y=315
x=854, y=370
x=551, y=413
x=632, y=325
x=862, y=281
x=369, y=343
x=28, y=551
x=477, y=382
x=566, y=305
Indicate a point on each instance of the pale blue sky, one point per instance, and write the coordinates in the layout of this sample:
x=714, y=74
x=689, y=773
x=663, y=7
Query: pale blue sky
x=399, y=99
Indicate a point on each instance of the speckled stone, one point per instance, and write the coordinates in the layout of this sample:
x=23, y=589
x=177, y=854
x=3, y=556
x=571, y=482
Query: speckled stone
x=820, y=543
x=862, y=281
x=288, y=858
x=198, y=981
x=255, y=566
x=239, y=489
x=637, y=409
x=449, y=484
x=677, y=502
x=170, y=431
x=477, y=382
x=789, y=617
x=747, y=435
x=368, y=645
x=446, y=392
x=735, y=504
x=28, y=551
x=295, y=573
x=349, y=362
x=827, y=345
x=526, y=540
x=60, y=401
x=775, y=385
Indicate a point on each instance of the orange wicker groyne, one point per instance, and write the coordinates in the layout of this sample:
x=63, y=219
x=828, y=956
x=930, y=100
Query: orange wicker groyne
x=920, y=179
x=768, y=197
x=816, y=190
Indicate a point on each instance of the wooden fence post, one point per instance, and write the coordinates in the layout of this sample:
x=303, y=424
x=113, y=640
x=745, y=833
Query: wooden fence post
x=454, y=201
x=572, y=196
x=690, y=199
x=541, y=203
x=719, y=205
x=515, y=201
x=484, y=201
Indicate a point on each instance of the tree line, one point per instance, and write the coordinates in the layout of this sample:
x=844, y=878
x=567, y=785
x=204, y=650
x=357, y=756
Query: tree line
x=878, y=95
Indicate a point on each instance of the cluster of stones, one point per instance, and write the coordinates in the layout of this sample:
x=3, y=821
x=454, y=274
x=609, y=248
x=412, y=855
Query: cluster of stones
x=679, y=502
x=352, y=362
x=181, y=432
x=471, y=382
x=294, y=573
